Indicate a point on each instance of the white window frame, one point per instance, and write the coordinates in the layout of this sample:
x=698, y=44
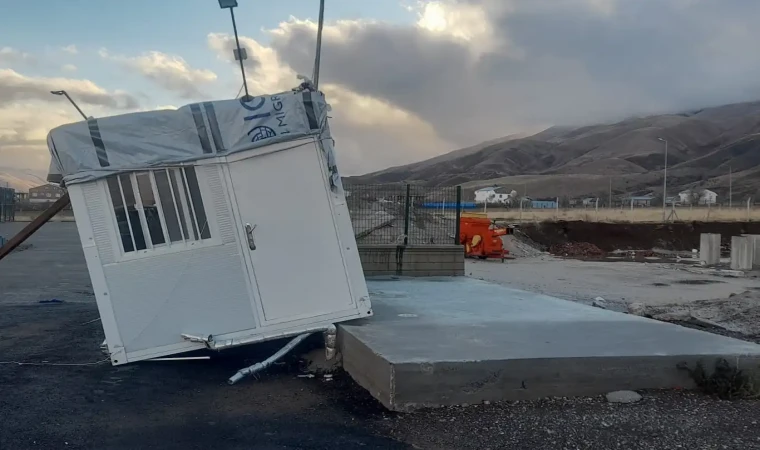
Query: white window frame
x=168, y=246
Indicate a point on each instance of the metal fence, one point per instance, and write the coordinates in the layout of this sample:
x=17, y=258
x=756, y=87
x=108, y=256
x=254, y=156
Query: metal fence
x=7, y=204
x=404, y=214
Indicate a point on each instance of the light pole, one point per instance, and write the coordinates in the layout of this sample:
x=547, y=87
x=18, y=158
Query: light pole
x=64, y=93
x=665, y=179
x=240, y=54
x=318, y=54
x=730, y=187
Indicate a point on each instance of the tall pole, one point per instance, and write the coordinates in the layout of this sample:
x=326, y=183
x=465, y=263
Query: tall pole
x=665, y=179
x=730, y=187
x=318, y=54
x=457, y=224
x=609, y=205
x=240, y=54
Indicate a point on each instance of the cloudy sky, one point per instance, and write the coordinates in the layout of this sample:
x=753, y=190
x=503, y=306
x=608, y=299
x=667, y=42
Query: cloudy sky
x=407, y=79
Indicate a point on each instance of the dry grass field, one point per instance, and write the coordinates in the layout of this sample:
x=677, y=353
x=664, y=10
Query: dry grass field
x=626, y=215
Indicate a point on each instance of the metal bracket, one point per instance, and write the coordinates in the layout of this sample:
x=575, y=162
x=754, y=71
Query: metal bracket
x=208, y=341
x=249, y=232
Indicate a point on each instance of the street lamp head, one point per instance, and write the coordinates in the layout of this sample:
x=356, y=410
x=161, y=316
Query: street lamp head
x=228, y=4
x=661, y=139
x=58, y=92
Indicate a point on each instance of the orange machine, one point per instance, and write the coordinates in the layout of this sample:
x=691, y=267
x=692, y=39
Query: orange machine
x=481, y=237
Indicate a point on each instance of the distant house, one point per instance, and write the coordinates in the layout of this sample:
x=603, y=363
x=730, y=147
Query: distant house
x=46, y=193
x=544, y=203
x=639, y=200
x=589, y=201
x=706, y=197
x=494, y=194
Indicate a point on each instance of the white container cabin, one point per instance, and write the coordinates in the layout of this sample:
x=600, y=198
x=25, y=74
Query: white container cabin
x=249, y=242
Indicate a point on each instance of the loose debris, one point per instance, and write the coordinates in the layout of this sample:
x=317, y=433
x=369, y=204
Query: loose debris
x=726, y=381
x=738, y=313
x=577, y=250
x=599, y=302
x=623, y=397
x=520, y=246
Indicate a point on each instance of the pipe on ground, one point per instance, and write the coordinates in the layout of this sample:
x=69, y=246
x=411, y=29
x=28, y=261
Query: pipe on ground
x=259, y=366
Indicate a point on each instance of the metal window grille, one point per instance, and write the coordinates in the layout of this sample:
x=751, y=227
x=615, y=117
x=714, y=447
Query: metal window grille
x=158, y=208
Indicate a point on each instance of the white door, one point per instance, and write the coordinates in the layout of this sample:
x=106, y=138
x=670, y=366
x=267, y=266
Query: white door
x=292, y=240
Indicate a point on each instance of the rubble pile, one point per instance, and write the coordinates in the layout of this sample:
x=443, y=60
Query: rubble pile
x=577, y=250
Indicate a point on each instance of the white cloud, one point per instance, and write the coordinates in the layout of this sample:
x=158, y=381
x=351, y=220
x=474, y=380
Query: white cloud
x=171, y=72
x=69, y=68
x=369, y=131
x=481, y=69
x=17, y=87
x=464, y=22
x=472, y=70
x=28, y=111
x=70, y=49
x=265, y=72
x=10, y=55
x=23, y=130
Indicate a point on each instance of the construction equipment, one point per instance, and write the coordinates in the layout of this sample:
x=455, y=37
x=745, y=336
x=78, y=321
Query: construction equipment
x=481, y=237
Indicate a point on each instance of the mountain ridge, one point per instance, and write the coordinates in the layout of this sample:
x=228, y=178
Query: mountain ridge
x=703, y=145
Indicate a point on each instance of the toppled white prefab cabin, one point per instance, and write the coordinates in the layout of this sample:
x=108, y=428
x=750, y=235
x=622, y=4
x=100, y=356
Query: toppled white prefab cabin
x=215, y=225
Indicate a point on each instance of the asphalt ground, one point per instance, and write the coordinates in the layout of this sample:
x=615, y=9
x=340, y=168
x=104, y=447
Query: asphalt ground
x=188, y=405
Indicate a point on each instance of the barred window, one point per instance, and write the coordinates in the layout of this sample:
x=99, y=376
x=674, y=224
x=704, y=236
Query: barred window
x=158, y=208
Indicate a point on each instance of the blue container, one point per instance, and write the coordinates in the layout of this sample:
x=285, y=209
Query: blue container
x=448, y=205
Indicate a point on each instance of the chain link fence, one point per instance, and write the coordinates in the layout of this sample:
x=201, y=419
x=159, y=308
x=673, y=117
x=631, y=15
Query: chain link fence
x=404, y=214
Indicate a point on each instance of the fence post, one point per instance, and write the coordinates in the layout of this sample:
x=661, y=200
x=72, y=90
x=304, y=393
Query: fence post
x=458, y=216
x=407, y=212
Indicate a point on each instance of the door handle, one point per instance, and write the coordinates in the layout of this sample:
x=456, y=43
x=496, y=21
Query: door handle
x=249, y=232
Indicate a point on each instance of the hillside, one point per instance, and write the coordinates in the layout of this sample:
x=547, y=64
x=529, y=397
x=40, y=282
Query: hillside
x=703, y=146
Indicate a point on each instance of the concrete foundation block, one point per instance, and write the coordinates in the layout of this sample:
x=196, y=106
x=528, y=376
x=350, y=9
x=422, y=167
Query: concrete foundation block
x=742, y=252
x=457, y=340
x=709, y=249
x=413, y=260
x=755, y=238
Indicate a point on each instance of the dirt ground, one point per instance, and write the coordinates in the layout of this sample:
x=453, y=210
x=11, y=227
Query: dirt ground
x=618, y=282
x=626, y=215
x=188, y=405
x=681, y=236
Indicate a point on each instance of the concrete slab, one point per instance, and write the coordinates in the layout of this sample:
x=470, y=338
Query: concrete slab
x=435, y=342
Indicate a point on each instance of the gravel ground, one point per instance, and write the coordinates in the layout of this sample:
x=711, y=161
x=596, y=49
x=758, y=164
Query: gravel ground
x=660, y=421
x=188, y=405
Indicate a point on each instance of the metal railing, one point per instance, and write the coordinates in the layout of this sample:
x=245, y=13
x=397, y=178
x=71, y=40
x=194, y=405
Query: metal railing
x=404, y=214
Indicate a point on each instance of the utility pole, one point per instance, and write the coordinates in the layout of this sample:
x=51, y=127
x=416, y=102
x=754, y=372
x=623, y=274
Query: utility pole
x=240, y=54
x=665, y=179
x=609, y=205
x=730, y=187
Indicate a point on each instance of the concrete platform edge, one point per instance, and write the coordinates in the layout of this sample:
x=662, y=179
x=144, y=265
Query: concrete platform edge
x=370, y=371
x=406, y=387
